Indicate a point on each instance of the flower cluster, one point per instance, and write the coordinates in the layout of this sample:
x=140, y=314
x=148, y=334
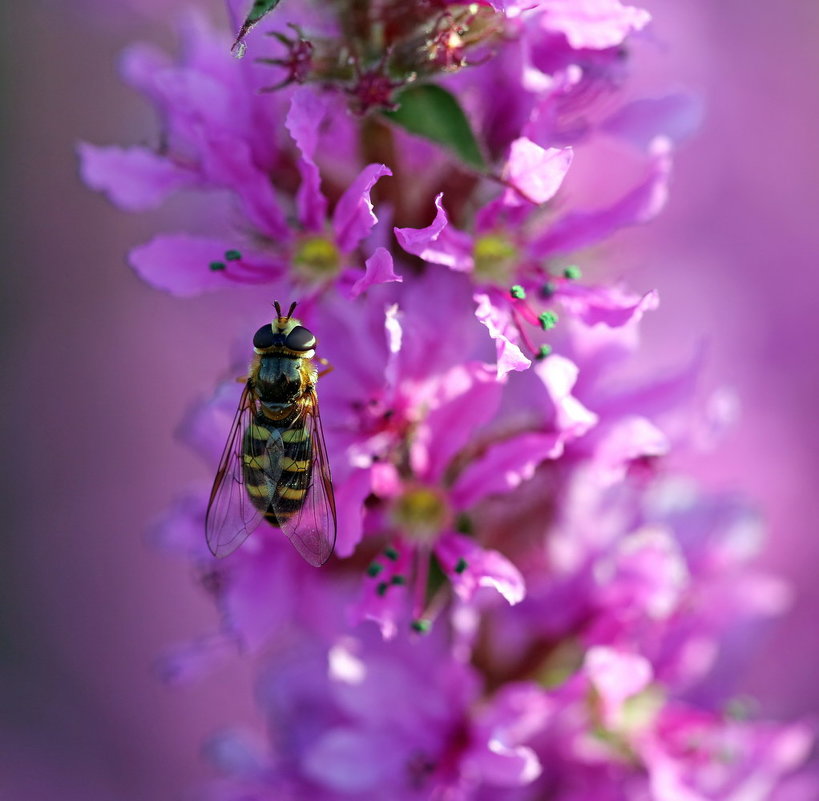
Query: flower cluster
x=526, y=601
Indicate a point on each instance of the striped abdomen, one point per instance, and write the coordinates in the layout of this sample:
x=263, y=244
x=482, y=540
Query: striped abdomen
x=296, y=461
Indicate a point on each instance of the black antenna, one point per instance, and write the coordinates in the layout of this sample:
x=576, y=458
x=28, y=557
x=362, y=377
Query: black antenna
x=292, y=309
x=277, y=308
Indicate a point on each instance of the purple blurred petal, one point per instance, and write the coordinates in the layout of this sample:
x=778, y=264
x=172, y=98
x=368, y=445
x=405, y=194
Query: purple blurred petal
x=509, y=355
x=180, y=264
x=676, y=116
x=350, y=495
x=580, y=229
x=307, y=110
x=537, y=173
x=592, y=24
x=134, y=178
x=503, y=467
x=439, y=243
x=616, y=676
x=196, y=659
x=483, y=568
x=353, y=217
x=379, y=270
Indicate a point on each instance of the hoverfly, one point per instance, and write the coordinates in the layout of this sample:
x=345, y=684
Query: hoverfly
x=274, y=465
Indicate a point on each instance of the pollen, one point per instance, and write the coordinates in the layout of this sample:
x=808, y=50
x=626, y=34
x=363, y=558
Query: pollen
x=317, y=258
x=495, y=258
x=422, y=512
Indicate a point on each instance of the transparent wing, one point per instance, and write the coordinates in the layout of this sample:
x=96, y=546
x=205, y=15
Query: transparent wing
x=231, y=515
x=312, y=527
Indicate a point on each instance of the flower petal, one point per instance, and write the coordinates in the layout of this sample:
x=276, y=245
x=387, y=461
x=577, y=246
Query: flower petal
x=537, y=173
x=616, y=676
x=181, y=264
x=353, y=217
x=307, y=110
x=439, y=243
x=470, y=567
x=592, y=24
x=509, y=355
x=583, y=228
x=133, y=178
x=503, y=467
x=379, y=270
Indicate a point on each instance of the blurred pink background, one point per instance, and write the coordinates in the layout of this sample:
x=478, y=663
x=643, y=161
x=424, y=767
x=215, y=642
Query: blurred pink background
x=99, y=369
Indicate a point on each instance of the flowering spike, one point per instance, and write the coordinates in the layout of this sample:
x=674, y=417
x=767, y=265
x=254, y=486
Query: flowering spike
x=518, y=292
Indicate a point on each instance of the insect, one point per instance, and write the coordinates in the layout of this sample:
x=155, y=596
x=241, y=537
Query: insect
x=274, y=465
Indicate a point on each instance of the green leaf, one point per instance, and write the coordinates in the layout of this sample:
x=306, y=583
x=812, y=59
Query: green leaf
x=428, y=110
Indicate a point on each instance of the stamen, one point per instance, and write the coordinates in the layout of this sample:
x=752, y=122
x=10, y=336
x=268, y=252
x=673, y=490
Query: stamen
x=572, y=273
x=548, y=289
x=382, y=588
x=391, y=553
x=232, y=255
x=216, y=266
x=374, y=569
x=461, y=565
x=398, y=580
x=421, y=626
x=547, y=320
x=543, y=352
x=518, y=292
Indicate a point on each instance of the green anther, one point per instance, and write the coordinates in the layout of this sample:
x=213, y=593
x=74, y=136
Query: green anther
x=233, y=255
x=382, y=588
x=548, y=289
x=421, y=626
x=543, y=351
x=398, y=580
x=547, y=320
x=461, y=565
x=391, y=553
x=572, y=273
x=216, y=266
x=374, y=569
x=517, y=292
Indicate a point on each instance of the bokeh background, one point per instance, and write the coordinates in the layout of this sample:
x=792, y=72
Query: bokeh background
x=98, y=370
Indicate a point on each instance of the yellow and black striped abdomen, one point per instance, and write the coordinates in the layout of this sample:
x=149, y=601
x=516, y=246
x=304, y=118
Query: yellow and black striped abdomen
x=293, y=455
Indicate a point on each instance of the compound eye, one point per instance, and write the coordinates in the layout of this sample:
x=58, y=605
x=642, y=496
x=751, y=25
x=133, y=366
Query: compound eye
x=300, y=339
x=263, y=338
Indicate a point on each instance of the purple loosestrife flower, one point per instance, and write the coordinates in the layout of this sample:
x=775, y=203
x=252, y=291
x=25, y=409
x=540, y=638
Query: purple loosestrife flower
x=527, y=602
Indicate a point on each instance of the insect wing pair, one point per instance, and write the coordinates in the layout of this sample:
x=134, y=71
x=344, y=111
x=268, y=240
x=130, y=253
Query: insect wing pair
x=232, y=516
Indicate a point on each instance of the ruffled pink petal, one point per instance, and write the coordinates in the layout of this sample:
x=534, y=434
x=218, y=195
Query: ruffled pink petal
x=509, y=355
x=350, y=494
x=503, y=467
x=581, y=229
x=537, y=173
x=379, y=270
x=624, y=440
x=133, y=178
x=592, y=24
x=181, y=264
x=559, y=376
x=470, y=567
x=353, y=217
x=439, y=243
x=307, y=110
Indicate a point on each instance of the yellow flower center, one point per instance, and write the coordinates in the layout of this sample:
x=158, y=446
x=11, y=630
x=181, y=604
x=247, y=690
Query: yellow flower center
x=421, y=513
x=317, y=258
x=495, y=258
